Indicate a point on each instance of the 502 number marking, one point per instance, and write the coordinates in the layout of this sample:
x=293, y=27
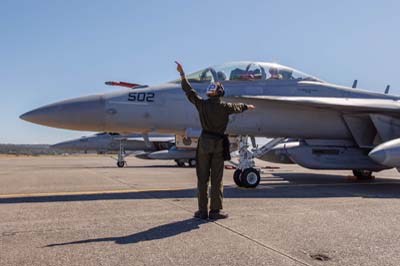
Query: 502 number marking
x=141, y=97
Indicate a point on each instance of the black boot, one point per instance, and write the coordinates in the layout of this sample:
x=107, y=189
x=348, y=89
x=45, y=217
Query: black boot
x=201, y=215
x=217, y=214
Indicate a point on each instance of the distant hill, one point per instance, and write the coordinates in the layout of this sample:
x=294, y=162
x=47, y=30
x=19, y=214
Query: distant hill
x=30, y=149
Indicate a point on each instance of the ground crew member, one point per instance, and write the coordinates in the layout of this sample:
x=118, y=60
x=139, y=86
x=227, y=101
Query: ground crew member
x=214, y=115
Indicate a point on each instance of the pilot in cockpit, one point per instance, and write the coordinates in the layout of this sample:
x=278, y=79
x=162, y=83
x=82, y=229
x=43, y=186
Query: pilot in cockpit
x=274, y=73
x=221, y=76
x=286, y=74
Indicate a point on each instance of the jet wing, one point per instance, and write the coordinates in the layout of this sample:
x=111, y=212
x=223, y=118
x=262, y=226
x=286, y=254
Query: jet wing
x=340, y=104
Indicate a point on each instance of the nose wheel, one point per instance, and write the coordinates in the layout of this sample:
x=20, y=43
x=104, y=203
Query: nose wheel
x=249, y=178
x=236, y=177
x=121, y=164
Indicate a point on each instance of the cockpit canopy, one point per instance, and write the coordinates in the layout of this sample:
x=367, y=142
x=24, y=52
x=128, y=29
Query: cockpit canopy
x=249, y=71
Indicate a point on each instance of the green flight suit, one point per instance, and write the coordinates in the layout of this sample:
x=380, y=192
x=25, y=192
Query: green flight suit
x=214, y=117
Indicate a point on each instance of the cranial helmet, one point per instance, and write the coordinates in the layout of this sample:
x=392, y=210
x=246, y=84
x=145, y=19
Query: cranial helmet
x=217, y=87
x=273, y=71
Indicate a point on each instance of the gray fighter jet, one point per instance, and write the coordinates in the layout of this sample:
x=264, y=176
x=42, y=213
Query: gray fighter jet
x=161, y=147
x=336, y=127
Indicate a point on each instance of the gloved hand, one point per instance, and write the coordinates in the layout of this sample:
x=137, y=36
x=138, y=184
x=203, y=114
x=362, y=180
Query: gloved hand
x=179, y=68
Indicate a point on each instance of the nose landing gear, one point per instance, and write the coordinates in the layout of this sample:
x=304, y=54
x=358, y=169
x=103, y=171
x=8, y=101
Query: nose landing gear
x=121, y=155
x=246, y=175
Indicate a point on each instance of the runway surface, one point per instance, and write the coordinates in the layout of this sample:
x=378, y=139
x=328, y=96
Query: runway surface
x=83, y=210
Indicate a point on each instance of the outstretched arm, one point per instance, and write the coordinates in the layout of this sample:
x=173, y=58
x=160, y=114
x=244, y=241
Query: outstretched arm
x=235, y=108
x=191, y=94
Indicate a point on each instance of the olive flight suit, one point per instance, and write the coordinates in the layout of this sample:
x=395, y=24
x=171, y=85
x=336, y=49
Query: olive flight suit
x=214, y=117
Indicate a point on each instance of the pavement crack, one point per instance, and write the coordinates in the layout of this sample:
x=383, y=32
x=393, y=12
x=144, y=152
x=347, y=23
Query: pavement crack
x=259, y=243
x=240, y=234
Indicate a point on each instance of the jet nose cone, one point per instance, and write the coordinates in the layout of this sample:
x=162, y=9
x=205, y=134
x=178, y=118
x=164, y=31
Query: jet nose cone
x=25, y=116
x=84, y=113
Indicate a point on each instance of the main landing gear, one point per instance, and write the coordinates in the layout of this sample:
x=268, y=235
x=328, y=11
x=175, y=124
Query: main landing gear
x=182, y=162
x=363, y=174
x=246, y=175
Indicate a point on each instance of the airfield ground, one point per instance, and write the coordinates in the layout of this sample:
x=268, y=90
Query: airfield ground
x=82, y=210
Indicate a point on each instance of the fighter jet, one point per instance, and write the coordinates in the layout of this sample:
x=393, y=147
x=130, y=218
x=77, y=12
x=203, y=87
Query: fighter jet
x=336, y=127
x=160, y=147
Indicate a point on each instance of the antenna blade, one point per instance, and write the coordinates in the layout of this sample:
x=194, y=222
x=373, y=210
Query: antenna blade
x=354, y=84
x=387, y=89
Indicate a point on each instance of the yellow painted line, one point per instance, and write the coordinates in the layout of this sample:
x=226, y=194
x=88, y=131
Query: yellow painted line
x=72, y=193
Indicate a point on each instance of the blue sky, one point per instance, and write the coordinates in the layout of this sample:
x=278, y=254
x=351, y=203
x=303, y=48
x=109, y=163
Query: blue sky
x=52, y=50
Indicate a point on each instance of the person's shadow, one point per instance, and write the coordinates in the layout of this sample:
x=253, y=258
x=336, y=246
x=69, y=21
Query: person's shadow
x=159, y=232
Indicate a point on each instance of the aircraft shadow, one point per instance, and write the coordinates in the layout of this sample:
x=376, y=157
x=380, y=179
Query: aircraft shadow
x=280, y=185
x=155, y=233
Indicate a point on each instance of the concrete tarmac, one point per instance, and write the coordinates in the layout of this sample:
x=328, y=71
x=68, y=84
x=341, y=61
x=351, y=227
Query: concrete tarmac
x=83, y=210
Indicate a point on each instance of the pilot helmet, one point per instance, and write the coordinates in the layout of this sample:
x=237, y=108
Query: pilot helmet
x=273, y=71
x=221, y=75
x=216, y=86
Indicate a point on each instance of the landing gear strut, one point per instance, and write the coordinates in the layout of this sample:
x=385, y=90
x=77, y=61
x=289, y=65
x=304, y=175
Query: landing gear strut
x=121, y=155
x=246, y=174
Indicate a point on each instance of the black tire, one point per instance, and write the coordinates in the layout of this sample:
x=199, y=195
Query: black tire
x=362, y=174
x=250, y=177
x=180, y=163
x=192, y=162
x=121, y=164
x=236, y=177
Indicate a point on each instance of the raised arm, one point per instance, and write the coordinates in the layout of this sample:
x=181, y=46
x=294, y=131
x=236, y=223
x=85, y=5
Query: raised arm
x=235, y=108
x=191, y=94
